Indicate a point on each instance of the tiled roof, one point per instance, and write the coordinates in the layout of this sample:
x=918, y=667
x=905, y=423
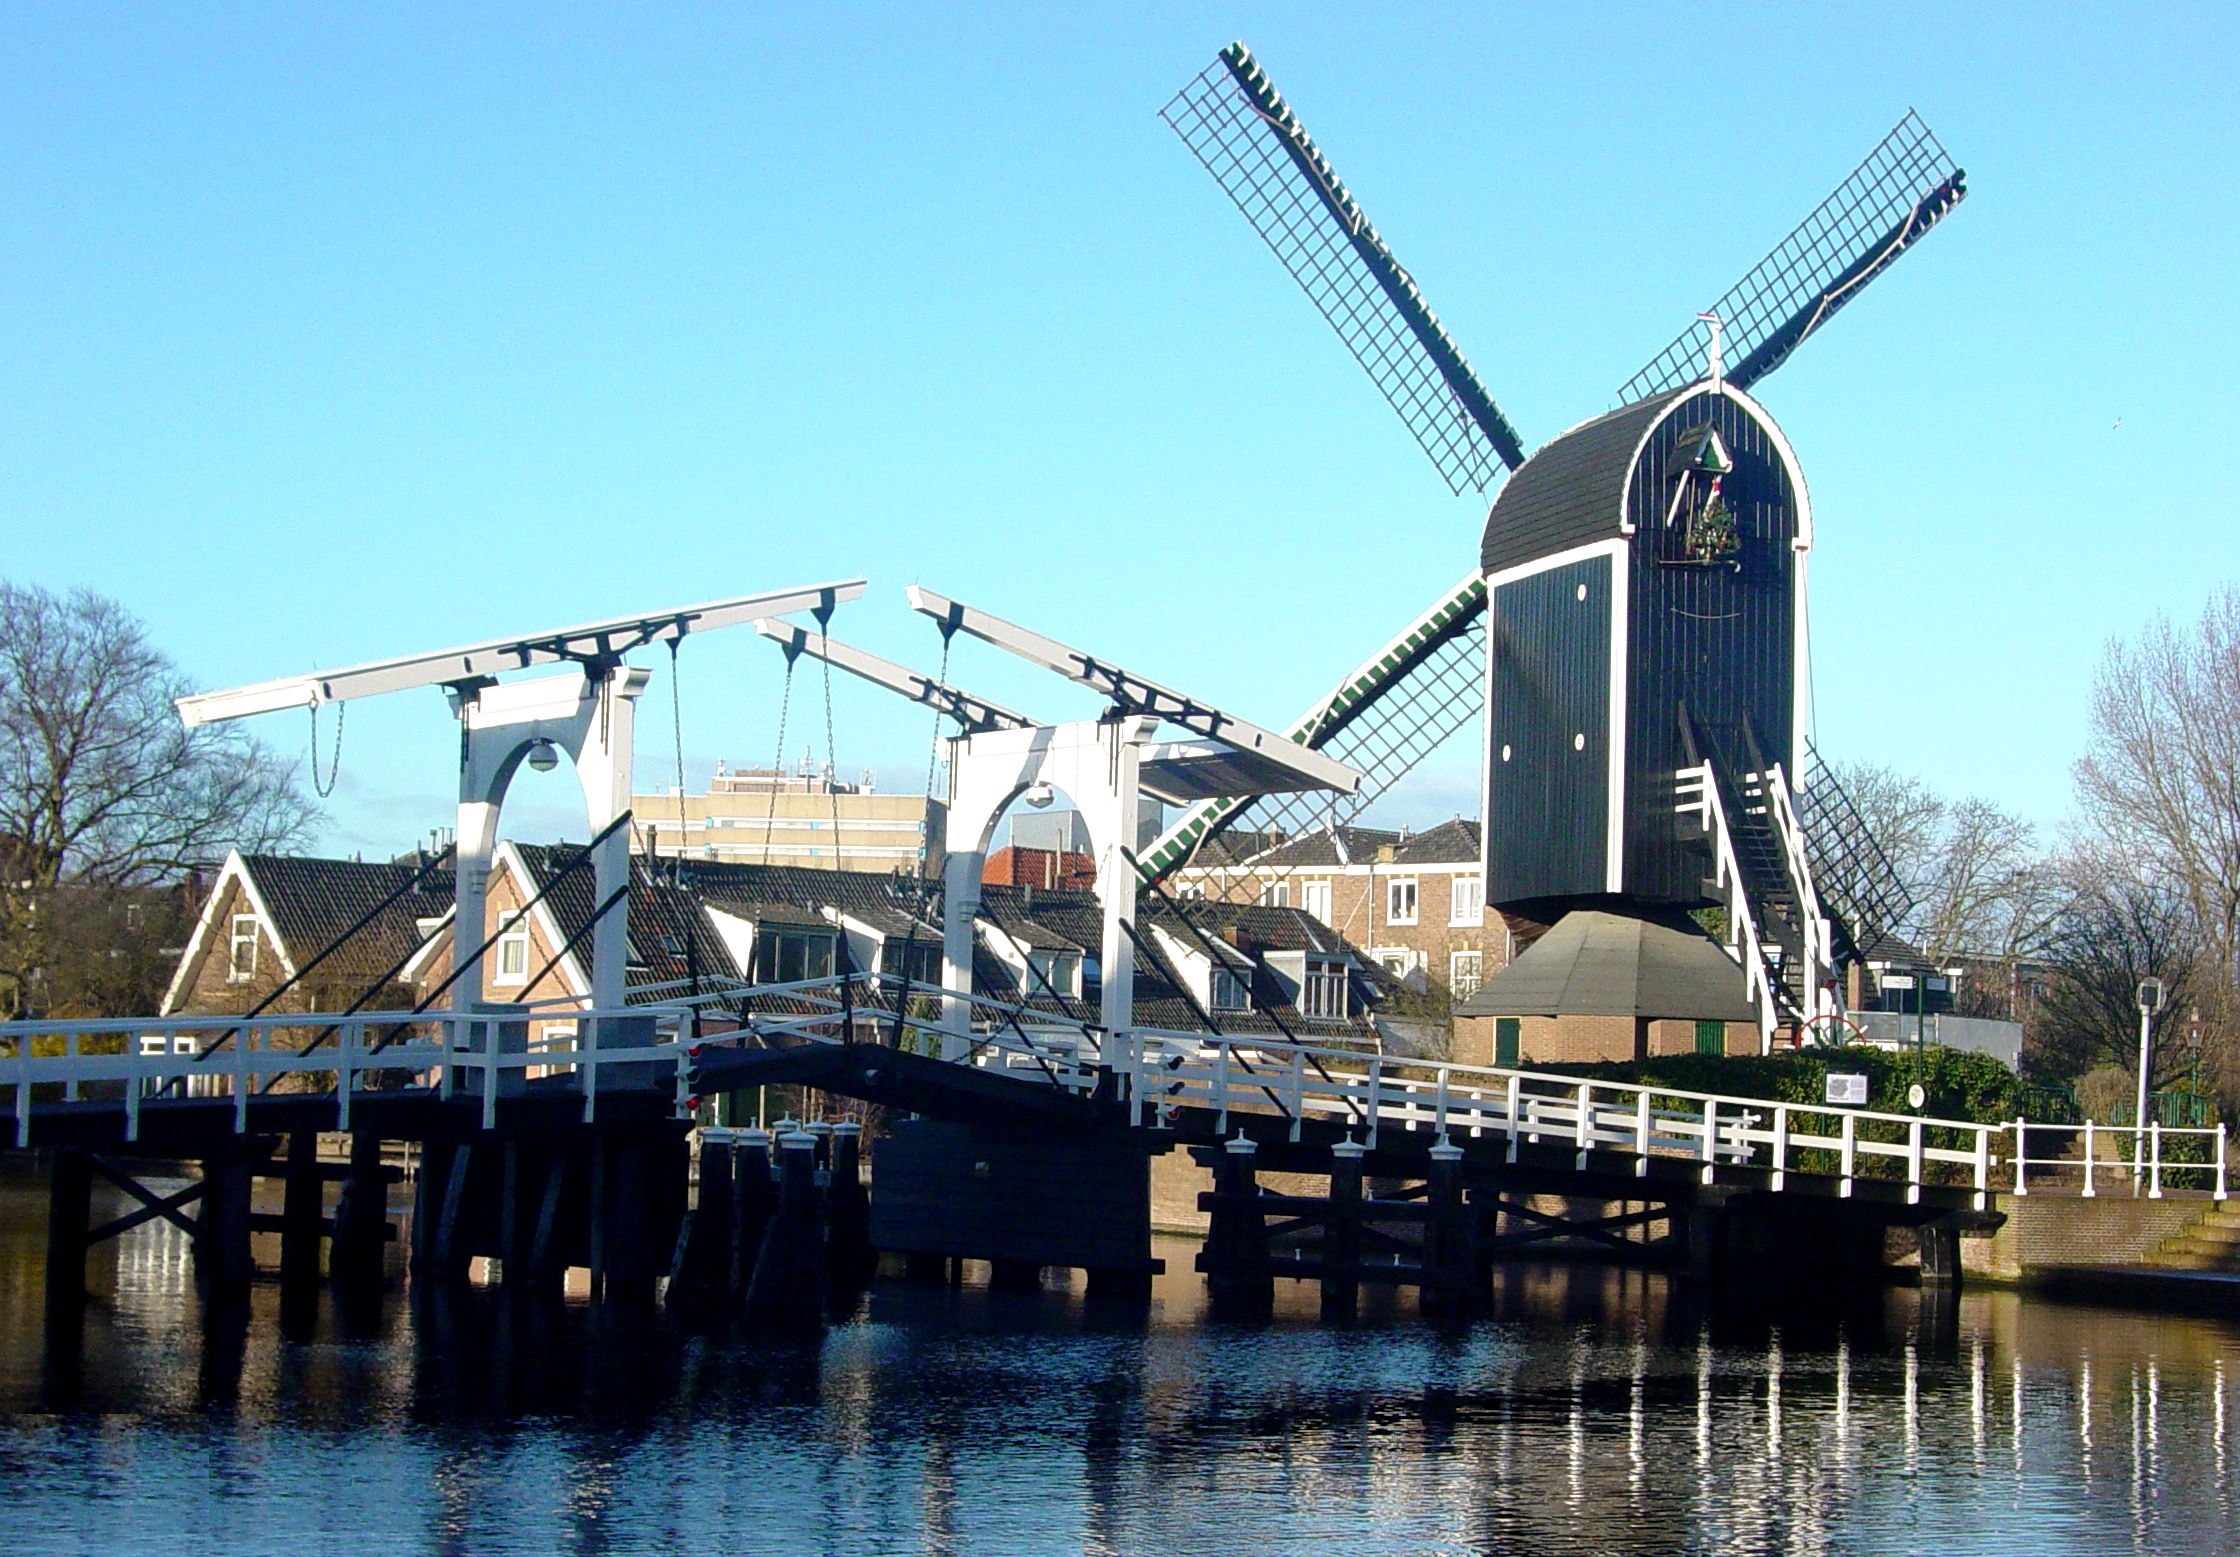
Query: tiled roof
x=671, y=936
x=1339, y=845
x=315, y=902
x=1450, y=843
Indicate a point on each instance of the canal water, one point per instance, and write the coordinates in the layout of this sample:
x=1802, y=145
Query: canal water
x=1594, y=1411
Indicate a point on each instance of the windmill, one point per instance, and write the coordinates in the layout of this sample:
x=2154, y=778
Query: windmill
x=1653, y=730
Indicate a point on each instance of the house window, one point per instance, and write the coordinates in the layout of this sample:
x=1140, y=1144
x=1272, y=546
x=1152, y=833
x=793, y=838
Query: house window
x=1325, y=994
x=1055, y=972
x=1230, y=991
x=1276, y=894
x=1399, y=961
x=1400, y=901
x=1469, y=900
x=513, y=952
x=241, y=950
x=1466, y=970
x=790, y=956
x=1314, y=897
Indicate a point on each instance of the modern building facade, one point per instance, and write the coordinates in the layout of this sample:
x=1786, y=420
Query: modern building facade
x=806, y=816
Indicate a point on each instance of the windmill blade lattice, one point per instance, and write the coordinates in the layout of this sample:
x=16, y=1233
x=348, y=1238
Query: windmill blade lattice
x=1383, y=719
x=1905, y=186
x=1237, y=124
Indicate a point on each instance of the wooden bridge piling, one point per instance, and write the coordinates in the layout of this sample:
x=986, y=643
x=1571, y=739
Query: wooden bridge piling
x=1341, y=1237
x=303, y=1223
x=788, y=1285
x=850, y=1259
x=1239, y=1284
x=69, y=1221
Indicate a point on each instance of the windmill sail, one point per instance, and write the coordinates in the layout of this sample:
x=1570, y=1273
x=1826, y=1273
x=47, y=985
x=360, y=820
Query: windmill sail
x=1237, y=124
x=1905, y=186
x=1382, y=719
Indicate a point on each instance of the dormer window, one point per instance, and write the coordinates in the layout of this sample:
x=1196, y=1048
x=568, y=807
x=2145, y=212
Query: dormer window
x=241, y=949
x=1325, y=992
x=1055, y=972
x=1231, y=991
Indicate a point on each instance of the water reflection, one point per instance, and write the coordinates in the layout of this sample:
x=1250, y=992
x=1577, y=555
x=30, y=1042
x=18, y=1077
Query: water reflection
x=1596, y=1410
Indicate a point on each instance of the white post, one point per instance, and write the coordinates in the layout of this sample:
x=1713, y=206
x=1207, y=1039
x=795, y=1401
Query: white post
x=1780, y=1146
x=1516, y=1088
x=1641, y=1134
x=2220, y=1160
x=1913, y=1162
x=2154, y=1192
x=1710, y=1138
x=2021, y=1158
x=2089, y=1150
x=2139, y=1120
x=1850, y=1150
x=1582, y=1133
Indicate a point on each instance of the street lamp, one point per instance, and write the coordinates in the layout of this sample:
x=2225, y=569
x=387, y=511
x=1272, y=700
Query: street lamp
x=2150, y=1001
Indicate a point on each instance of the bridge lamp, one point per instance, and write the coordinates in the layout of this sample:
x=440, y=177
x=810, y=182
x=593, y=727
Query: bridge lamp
x=542, y=757
x=1040, y=795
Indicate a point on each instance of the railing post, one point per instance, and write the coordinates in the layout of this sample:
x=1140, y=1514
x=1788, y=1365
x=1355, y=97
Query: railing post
x=1641, y=1134
x=23, y=1091
x=345, y=1073
x=2220, y=1159
x=1913, y=1163
x=1850, y=1151
x=69, y=1068
x=1516, y=1097
x=1582, y=1131
x=1983, y=1166
x=2154, y=1168
x=1221, y=1084
x=1439, y=1115
x=1298, y=1090
x=2089, y=1154
x=1780, y=1147
x=133, y=1087
x=1710, y=1139
x=241, y=1083
x=2021, y=1157
x=1376, y=1097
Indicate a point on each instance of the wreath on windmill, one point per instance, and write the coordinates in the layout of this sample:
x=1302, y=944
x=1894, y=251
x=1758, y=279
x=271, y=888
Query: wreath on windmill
x=1711, y=537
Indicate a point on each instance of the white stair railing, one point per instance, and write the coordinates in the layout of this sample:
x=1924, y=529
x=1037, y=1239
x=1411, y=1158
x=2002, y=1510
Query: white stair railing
x=1818, y=935
x=1698, y=796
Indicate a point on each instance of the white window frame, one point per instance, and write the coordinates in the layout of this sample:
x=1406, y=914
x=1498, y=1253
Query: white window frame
x=1462, y=986
x=1322, y=982
x=1275, y=894
x=1314, y=900
x=509, y=958
x=1060, y=970
x=243, y=931
x=1232, y=991
x=1466, y=900
x=1395, y=888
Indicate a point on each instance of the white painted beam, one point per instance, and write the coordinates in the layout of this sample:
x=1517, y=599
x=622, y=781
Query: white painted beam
x=976, y=714
x=1139, y=694
x=593, y=640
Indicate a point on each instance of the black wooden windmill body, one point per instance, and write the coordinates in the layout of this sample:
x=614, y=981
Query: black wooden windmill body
x=1639, y=591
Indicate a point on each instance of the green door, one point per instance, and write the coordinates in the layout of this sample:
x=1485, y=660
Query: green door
x=1505, y=1031
x=1711, y=1037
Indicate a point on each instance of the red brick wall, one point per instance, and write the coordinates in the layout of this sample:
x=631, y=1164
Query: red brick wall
x=1017, y=866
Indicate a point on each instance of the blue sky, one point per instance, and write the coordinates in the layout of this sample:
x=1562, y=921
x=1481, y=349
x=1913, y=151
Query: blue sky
x=334, y=333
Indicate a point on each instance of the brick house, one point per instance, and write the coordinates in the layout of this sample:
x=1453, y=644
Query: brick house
x=267, y=917
x=1416, y=901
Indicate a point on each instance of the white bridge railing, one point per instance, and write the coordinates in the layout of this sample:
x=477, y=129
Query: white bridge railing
x=486, y=1055
x=489, y=1056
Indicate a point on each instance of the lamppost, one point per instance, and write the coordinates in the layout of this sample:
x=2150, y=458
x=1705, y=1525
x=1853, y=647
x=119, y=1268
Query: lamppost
x=2150, y=1001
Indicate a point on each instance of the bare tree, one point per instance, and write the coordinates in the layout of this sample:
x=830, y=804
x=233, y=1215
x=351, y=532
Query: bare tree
x=1979, y=882
x=101, y=789
x=2160, y=779
x=2118, y=930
